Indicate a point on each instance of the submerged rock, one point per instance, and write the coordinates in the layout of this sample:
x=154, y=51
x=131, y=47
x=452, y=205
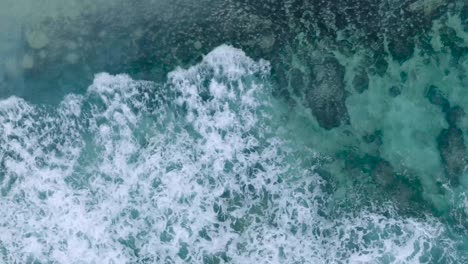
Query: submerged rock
x=454, y=115
x=403, y=189
x=361, y=81
x=401, y=49
x=427, y=7
x=394, y=91
x=380, y=66
x=326, y=95
x=383, y=173
x=452, y=41
x=435, y=96
x=450, y=141
x=464, y=17
x=453, y=152
x=375, y=137
x=296, y=80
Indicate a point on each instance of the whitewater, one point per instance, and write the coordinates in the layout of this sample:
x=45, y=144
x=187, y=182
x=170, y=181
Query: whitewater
x=202, y=172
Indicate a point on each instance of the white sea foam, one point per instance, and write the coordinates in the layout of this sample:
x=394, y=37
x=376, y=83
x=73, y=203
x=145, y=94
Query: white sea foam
x=123, y=175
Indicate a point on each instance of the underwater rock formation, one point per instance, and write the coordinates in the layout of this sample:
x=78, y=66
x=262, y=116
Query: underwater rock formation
x=450, y=141
x=361, y=81
x=326, y=93
x=180, y=33
x=453, y=153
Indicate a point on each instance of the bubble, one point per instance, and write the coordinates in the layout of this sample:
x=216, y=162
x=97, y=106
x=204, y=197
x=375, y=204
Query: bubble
x=37, y=39
x=28, y=62
x=197, y=45
x=267, y=42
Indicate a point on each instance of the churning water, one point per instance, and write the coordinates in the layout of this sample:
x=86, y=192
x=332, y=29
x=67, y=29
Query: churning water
x=233, y=132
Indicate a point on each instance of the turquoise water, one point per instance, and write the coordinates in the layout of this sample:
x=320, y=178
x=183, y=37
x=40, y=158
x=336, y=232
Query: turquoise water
x=233, y=132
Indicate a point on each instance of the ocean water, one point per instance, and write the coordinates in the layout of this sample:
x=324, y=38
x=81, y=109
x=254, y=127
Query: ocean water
x=231, y=131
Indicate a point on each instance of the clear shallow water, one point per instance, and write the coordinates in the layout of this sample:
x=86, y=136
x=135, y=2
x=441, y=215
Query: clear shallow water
x=275, y=151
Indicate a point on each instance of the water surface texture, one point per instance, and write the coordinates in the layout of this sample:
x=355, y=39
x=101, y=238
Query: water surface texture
x=233, y=131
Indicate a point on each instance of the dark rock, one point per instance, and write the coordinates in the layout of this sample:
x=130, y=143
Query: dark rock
x=454, y=115
x=326, y=95
x=279, y=74
x=404, y=190
x=375, y=137
x=282, y=81
x=403, y=76
x=449, y=39
x=401, y=49
x=394, y=91
x=453, y=152
x=296, y=80
x=383, y=173
x=346, y=48
x=380, y=66
x=464, y=17
x=361, y=81
x=435, y=96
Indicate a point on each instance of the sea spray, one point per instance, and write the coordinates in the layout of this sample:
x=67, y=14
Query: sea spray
x=197, y=172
